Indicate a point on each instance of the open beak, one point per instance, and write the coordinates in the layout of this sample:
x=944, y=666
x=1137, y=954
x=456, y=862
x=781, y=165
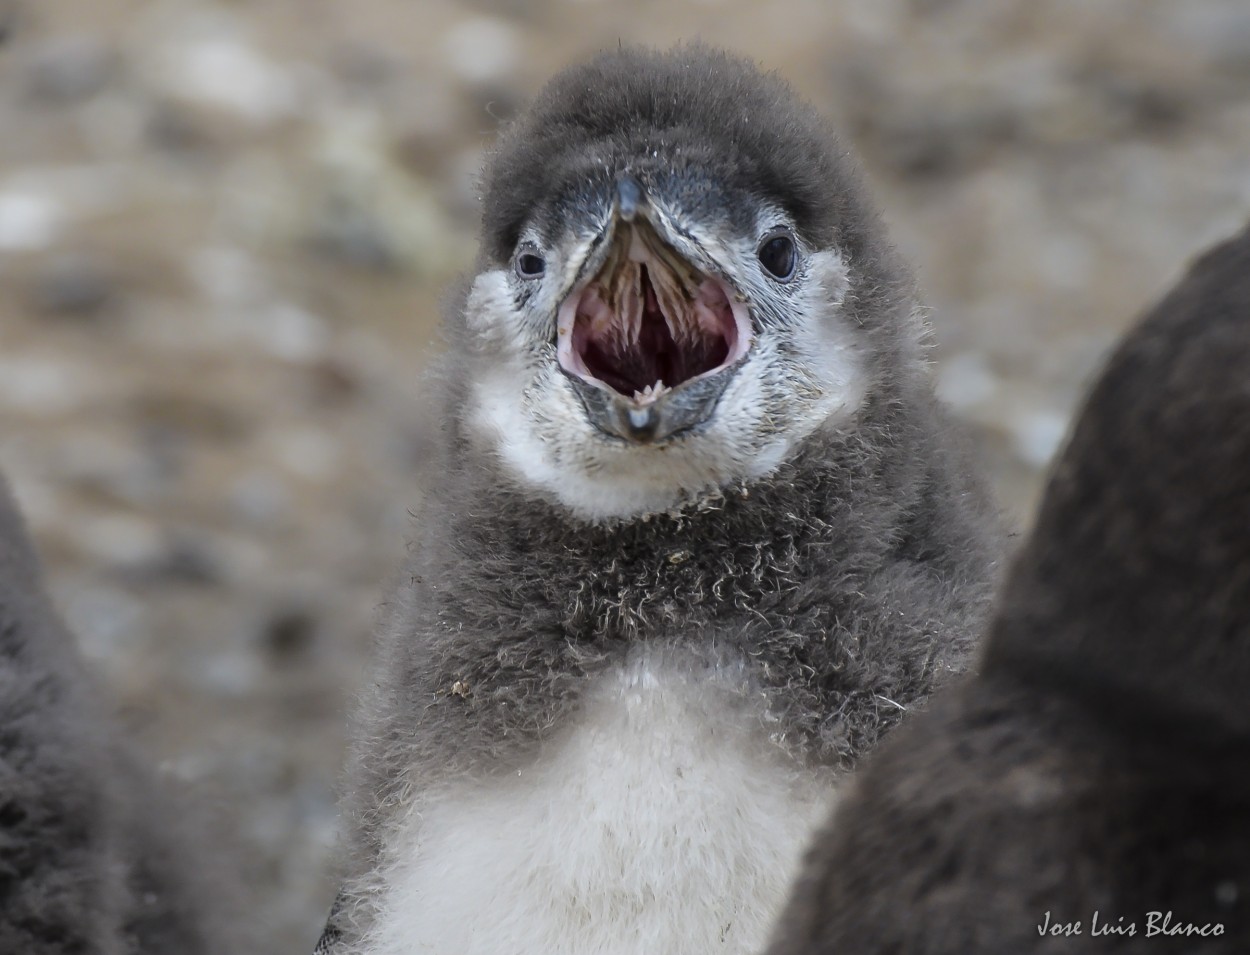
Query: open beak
x=648, y=337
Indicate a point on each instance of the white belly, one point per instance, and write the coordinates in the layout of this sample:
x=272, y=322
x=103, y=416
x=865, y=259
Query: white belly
x=663, y=823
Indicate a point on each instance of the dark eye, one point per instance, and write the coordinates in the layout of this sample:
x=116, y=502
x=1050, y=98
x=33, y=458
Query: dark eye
x=529, y=266
x=778, y=256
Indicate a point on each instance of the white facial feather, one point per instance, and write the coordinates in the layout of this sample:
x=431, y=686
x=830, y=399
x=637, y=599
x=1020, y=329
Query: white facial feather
x=663, y=822
x=527, y=412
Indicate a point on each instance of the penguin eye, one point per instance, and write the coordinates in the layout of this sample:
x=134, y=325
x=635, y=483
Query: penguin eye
x=778, y=256
x=529, y=265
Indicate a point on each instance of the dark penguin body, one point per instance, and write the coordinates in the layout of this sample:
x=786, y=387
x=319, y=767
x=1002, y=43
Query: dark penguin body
x=626, y=668
x=1094, y=779
x=95, y=856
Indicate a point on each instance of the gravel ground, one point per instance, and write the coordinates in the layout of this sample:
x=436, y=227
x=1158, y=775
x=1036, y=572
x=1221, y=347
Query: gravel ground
x=225, y=228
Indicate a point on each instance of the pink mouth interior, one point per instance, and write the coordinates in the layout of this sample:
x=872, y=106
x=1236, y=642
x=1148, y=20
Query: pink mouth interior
x=640, y=334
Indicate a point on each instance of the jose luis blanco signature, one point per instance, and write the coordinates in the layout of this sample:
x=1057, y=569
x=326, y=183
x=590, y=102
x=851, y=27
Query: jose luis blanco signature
x=1156, y=923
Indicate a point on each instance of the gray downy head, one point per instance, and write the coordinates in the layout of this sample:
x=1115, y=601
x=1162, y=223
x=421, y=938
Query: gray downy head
x=678, y=285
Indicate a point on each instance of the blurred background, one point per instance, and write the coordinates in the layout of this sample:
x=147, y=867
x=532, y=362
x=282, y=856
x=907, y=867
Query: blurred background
x=224, y=232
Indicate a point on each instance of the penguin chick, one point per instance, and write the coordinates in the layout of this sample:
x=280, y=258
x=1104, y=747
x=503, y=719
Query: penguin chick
x=1090, y=789
x=698, y=536
x=94, y=859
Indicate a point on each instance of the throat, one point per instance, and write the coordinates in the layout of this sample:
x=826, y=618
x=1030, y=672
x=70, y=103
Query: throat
x=652, y=359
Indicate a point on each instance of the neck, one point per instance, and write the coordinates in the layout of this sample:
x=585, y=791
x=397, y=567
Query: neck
x=838, y=502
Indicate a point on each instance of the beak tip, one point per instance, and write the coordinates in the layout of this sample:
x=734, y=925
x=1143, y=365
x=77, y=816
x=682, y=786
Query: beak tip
x=642, y=424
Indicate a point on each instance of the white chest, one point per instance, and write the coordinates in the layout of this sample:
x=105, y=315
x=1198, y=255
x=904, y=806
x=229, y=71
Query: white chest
x=663, y=823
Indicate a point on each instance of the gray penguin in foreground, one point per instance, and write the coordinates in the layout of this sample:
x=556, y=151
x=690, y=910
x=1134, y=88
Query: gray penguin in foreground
x=1089, y=790
x=698, y=536
x=97, y=857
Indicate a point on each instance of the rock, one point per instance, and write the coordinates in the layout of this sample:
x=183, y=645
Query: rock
x=362, y=68
x=966, y=380
x=29, y=220
x=229, y=74
x=289, y=632
x=110, y=626
x=482, y=49
x=69, y=69
x=227, y=276
x=308, y=452
x=232, y=672
x=260, y=498
x=363, y=208
x=184, y=414
x=292, y=334
x=185, y=558
x=1038, y=435
x=121, y=540
x=40, y=385
x=73, y=284
x=1220, y=30
x=332, y=381
x=184, y=131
